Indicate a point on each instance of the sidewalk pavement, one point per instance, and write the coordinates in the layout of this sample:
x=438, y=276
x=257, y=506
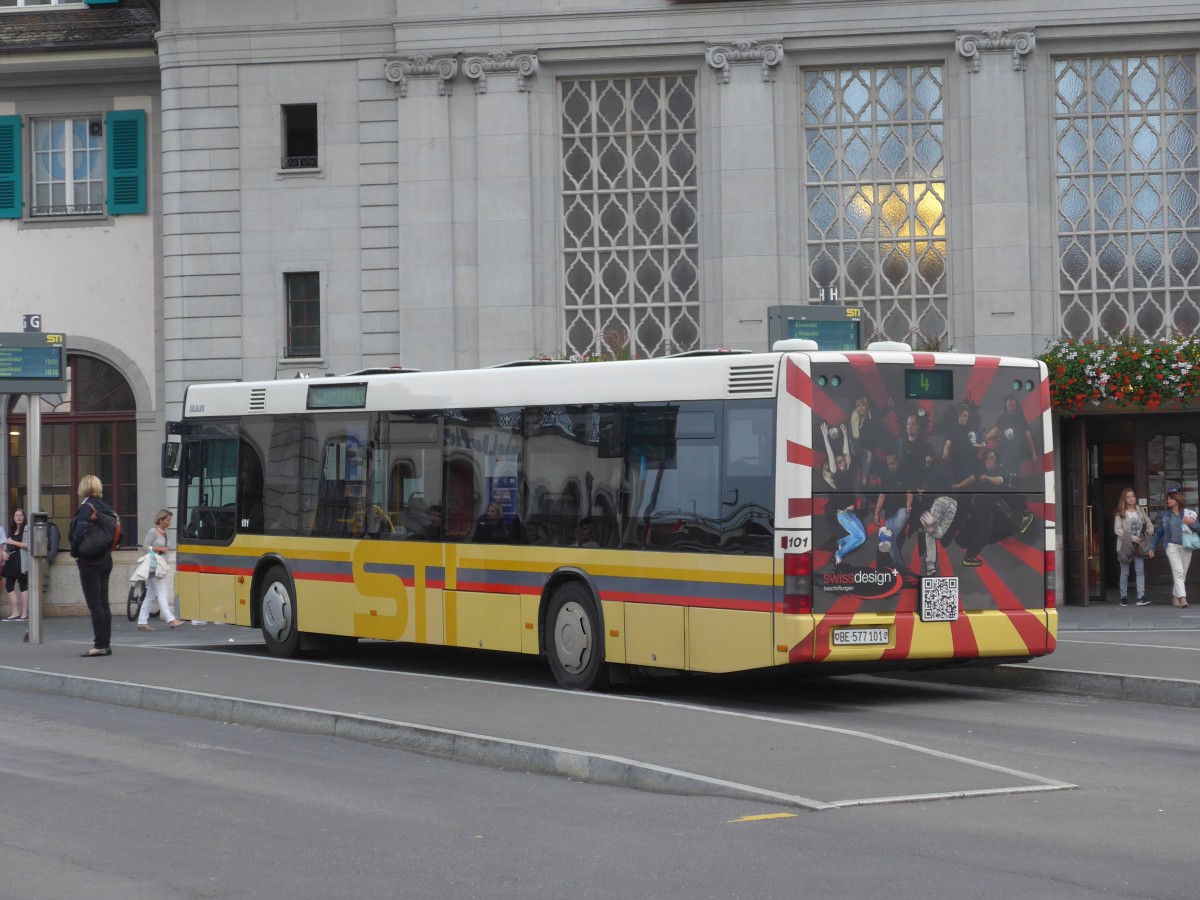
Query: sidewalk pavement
x=435, y=706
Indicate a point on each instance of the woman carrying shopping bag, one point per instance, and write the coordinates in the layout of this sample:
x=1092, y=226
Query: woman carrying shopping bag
x=1174, y=529
x=158, y=578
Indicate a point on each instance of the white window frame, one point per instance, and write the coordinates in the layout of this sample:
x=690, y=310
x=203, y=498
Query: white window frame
x=43, y=125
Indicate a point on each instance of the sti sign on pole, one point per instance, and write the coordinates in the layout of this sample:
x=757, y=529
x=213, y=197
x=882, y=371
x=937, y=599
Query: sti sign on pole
x=33, y=363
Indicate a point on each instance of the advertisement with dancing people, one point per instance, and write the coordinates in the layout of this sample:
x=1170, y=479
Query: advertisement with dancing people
x=931, y=490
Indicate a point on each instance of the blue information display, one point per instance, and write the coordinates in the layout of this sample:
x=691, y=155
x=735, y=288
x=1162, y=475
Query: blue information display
x=33, y=363
x=828, y=335
x=832, y=326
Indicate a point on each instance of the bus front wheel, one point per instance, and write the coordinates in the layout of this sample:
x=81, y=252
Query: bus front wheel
x=277, y=614
x=574, y=640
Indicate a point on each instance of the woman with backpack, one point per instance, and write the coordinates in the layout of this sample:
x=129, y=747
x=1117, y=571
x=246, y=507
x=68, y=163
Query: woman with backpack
x=93, y=553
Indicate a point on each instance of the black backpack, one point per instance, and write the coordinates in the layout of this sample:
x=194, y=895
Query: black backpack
x=102, y=536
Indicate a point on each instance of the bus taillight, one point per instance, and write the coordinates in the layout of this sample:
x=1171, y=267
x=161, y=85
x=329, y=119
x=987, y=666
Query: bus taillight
x=797, y=583
x=1051, y=591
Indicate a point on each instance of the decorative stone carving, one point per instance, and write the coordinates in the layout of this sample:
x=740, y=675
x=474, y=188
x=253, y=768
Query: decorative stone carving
x=500, y=62
x=720, y=56
x=444, y=68
x=995, y=40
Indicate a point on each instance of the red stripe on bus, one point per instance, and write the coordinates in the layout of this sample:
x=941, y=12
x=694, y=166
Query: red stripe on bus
x=962, y=635
x=824, y=408
x=842, y=610
x=1046, y=512
x=799, y=454
x=1029, y=626
x=702, y=602
x=799, y=507
x=213, y=570
x=332, y=577
x=490, y=587
x=799, y=383
x=982, y=374
x=867, y=371
x=1033, y=404
x=1034, y=557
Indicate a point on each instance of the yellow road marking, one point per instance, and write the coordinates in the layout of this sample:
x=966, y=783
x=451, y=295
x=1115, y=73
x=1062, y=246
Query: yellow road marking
x=761, y=818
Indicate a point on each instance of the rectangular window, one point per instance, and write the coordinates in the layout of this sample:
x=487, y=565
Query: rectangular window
x=1127, y=176
x=406, y=478
x=14, y=3
x=210, y=495
x=68, y=166
x=875, y=195
x=303, y=291
x=300, y=136
x=630, y=226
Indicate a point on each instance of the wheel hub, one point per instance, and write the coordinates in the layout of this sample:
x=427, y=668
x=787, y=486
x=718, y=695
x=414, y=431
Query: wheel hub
x=572, y=638
x=276, y=611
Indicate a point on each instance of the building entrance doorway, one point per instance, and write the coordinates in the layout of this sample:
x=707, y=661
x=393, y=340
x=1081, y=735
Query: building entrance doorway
x=1102, y=455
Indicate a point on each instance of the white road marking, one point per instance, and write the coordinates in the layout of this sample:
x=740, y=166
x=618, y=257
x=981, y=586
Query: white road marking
x=1040, y=783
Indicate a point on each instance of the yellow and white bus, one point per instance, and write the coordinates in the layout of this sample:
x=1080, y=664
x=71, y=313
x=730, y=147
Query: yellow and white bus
x=711, y=512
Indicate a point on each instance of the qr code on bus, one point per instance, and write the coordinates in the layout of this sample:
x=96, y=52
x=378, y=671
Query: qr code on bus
x=939, y=599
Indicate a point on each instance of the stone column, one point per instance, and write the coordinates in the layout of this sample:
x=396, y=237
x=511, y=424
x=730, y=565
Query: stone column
x=994, y=292
x=501, y=275
x=425, y=203
x=741, y=253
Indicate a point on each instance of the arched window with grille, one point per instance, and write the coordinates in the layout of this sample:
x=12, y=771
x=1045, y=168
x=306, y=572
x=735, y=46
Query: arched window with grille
x=90, y=429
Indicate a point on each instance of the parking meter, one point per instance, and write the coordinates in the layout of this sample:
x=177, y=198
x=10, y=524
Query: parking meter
x=40, y=535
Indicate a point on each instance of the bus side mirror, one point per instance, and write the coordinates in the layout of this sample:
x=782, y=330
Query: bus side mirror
x=170, y=459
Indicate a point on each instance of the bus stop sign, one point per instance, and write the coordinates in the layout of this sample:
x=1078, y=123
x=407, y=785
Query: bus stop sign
x=33, y=363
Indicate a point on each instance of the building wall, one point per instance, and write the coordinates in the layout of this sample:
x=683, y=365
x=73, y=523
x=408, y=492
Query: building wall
x=435, y=218
x=96, y=279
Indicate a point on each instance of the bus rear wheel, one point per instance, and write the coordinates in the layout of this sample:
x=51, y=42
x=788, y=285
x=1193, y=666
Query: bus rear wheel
x=277, y=614
x=574, y=640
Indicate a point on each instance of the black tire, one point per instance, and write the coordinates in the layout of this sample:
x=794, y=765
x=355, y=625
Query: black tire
x=277, y=614
x=133, y=602
x=575, y=640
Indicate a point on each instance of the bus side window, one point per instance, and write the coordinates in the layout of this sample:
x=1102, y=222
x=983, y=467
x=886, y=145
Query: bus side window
x=250, y=490
x=211, y=498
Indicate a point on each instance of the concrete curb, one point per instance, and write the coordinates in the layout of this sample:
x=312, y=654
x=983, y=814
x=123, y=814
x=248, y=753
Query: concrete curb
x=455, y=745
x=1135, y=688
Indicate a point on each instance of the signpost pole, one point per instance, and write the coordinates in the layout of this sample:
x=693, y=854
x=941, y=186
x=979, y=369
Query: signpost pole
x=33, y=465
x=33, y=363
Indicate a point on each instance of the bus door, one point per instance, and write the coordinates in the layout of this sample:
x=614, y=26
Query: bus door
x=207, y=523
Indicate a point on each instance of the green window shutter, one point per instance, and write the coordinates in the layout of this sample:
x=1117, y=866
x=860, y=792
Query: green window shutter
x=126, y=132
x=10, y=167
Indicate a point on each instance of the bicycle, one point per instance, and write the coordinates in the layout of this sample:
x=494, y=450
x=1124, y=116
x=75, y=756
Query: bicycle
x=133, y=602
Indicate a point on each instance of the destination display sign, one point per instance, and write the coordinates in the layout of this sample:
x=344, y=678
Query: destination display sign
x=33, y=363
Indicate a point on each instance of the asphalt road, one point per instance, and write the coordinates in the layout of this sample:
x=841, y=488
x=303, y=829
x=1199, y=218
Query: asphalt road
x=110, y=801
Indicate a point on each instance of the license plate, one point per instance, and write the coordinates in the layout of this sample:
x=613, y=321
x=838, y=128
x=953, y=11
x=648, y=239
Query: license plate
x=845, y=637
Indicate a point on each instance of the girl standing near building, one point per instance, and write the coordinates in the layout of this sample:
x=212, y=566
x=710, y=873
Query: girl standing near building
x=16, y=568
x=1169, y=531
x=1131, y=524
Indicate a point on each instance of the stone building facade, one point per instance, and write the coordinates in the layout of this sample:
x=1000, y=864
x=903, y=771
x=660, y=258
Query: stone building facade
x=449, y=183
x=80, y=249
